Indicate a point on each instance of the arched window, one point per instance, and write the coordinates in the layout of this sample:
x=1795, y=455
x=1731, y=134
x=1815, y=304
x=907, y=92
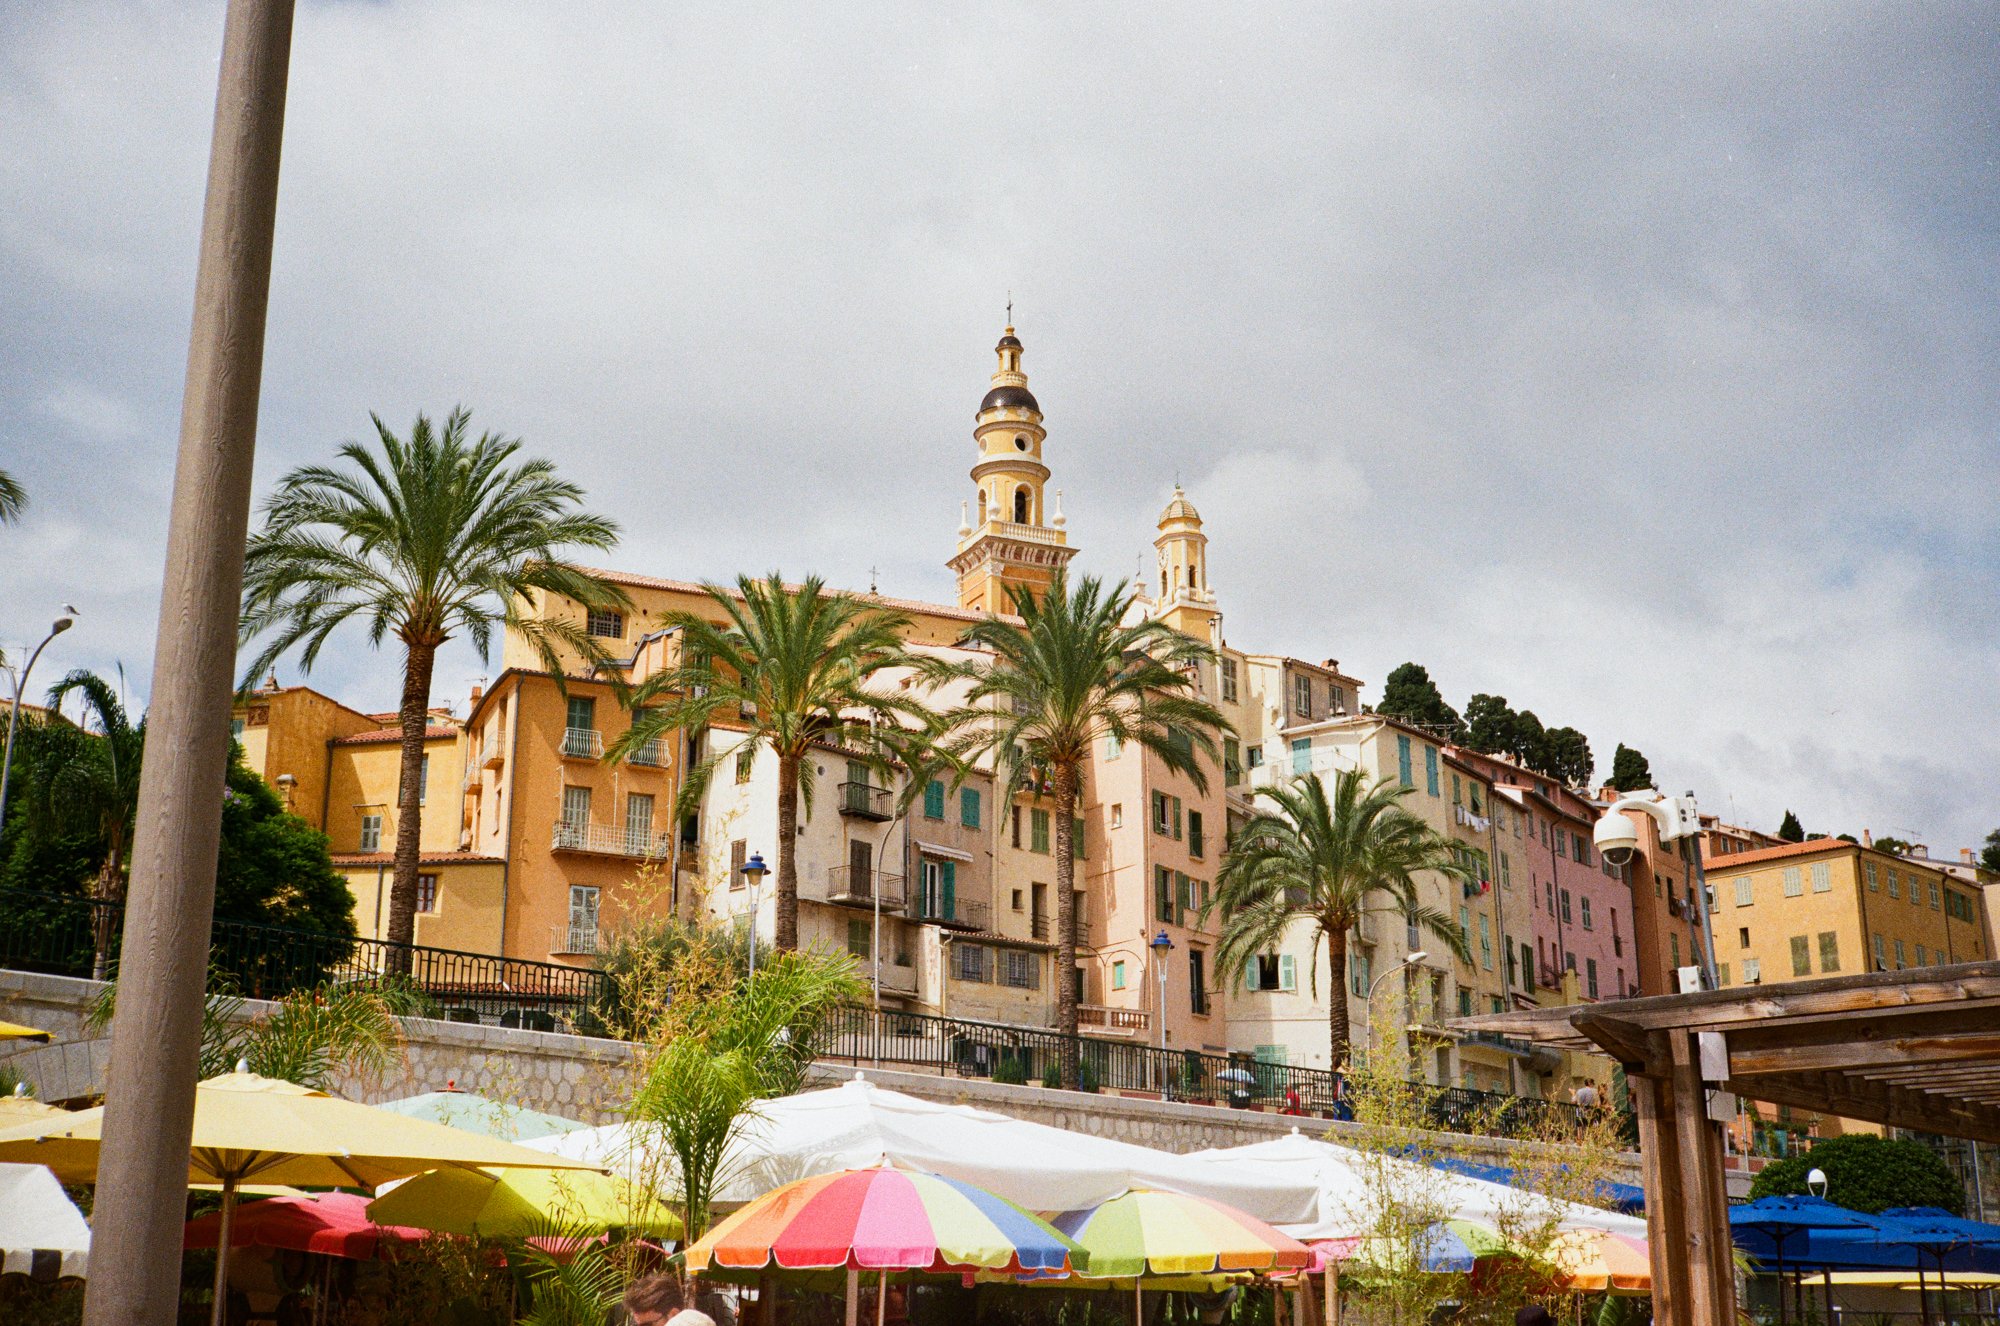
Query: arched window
x=1191, y=575
x=982, y=506
x=1021, y=505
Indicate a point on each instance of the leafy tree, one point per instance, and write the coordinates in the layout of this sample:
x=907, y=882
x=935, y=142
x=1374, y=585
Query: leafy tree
x=1989, y=855
x=273, y=868
x=1327, y=863
x=1409, y=693
x=797, y=666
x=1868, y=1174
x=433, y=538
x=1077, y=668
x=1897, y=846
x=96, y=791
x=1629, y=770
x=1791, y=830
x=1565, y=754
x=13, y=498
x=1529, y=739
x=1489, y=724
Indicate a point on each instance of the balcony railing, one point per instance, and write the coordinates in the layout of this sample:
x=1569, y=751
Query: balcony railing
x=1044, y=929
x=575, y=940
x=1114, y=1020
x=864, y=801
x=582, y=743
x=652, y=754
x=1026, y=533
x=961, y=912
x=864, y=888
x=612, y=840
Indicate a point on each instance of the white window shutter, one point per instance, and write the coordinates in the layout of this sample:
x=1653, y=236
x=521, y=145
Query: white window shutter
x=1288, y=972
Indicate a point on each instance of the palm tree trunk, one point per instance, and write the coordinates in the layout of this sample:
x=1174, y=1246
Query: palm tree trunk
x=103, y=924
x=787, y=938
x=1338, y=1032
x=409, y=813
x=1065, y=975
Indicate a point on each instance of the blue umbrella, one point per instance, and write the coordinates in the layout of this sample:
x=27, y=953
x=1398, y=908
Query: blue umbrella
x=1627, y=1197
x=1765, y=1228
x=1907, y=1235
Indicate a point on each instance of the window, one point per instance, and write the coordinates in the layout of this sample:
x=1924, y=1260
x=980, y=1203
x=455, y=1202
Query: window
x=1038, y=831
x=1581, y=849
x=1506, y=875
x=1674, y=947
x=1302, y=695
x=968, y=807
x=1118, y=975
x=1465, y=925
x=1753, y=971
x=639, y=823
x=1457, y=791
x=423, y=777
x=427, y=893
x=1256, y=757
x=1163, y=894
x=1829, y=951
x=968, y=962
x=1019, y=897
x=1014, y=825
x=934, y=799
x=1590, y=976
x=1160, y=824
x=1117, y=814
x=1403, y=761
x=1337, y=699
x=1197, y=982
x=1900, y=963
x=1431, y=770
x=1559, y=845
x=582, y=711
x=739, y=852
x=1895, y=885
x=1801, y=956
x=1744, y=894
x=1921, y=960
x=1302, y=756
x=1743, y=936
x=583, y=918
x=858, y=934
x=1357, y=974
x=1822, y=877
x=1174, y=807
x=1795, y=885
x=1113, y=747
x=1586, y=914
x=1019, y=970
x=1916, y=891
x=1932, y=886
x=746, y=761
x=1076, y=839
x=1873, y=885
x=1565, y=907
x=371, y=833
x=1876, y=947
x=1196, y=843
x=576, y=807
x=1485, y=942
x=607, y=624
x=1232, y=761
x=1229, y=681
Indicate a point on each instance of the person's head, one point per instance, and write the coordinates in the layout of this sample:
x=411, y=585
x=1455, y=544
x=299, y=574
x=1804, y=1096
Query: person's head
x=690, y=1317
x=654, y=1300
x=1534, y=1315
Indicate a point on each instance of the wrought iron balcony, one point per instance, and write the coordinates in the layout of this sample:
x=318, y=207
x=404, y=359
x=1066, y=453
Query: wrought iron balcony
x=1044, y=929
x=612, y=840
x=652, y=754
x=961, y=912
x=575, y=940
x=864, y=888
x=864, y=801
x=582, y=743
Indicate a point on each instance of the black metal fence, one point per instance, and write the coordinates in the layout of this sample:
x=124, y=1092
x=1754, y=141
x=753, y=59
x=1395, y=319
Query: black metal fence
x=66, y=935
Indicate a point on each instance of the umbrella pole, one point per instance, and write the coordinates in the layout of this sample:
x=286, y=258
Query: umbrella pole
x=882, y=1297
x=1826, y=1279
x=1783, y=1316
x=222, y=1249
x=1332, y=1294
x=853, y=1314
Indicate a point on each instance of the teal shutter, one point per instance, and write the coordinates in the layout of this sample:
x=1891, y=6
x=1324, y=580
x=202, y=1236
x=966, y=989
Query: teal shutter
x=948, y=873
x=968, y=807
x=934, y=800
x=1403, y=762
x=1431, y=770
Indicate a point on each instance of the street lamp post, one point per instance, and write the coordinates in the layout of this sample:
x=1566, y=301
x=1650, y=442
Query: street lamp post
x=1162, y=944
x=754, y=871
x=1409, y=960
x=56, y=628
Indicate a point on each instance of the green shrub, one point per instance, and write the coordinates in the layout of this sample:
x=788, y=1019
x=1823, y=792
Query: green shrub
x=1010, y=1071
x=1867, y=1174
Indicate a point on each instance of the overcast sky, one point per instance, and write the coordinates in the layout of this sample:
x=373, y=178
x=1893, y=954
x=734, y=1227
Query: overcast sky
x=1643, y=370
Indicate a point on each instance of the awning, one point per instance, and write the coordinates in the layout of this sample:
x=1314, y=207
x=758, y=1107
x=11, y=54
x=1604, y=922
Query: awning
x=948, y=853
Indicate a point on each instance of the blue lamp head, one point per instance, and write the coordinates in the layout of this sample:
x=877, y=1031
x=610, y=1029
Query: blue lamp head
x=754, y=869
x=1162, y=941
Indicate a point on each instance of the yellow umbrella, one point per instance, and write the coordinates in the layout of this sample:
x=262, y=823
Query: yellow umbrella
x=14, y=1031
x=250, y=1127
x=493, y=1203
x=16, y=1110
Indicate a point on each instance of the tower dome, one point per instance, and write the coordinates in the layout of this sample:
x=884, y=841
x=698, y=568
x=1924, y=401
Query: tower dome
x=1007, y=541
x=1179, y=508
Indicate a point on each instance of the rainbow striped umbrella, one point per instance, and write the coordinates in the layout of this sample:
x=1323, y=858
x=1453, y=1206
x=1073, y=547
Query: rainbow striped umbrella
x=887, y=1220
x=1147, y=1232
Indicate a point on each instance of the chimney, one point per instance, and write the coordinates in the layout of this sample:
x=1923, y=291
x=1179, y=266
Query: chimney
x=477, y=691
x=1965, y=855
x=1867, y=838
x=1918, y=852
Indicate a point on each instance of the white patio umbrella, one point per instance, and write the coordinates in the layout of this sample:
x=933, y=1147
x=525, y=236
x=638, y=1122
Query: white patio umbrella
x=41, y=1232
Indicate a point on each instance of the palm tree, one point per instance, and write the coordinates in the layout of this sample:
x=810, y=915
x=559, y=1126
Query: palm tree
x=794, y=666
x=435, y=537
x=13, y=497
x=1308, y=858
x=1072, y=670
x=94, y=790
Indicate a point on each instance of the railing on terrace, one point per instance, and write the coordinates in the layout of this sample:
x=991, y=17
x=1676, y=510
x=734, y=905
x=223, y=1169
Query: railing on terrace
x=865, y=801
x=650, y=753
x=865, y=888
x=57, y=934
x=582, y=743
x=949, y=911
x=1114, y=1019
x=611, y=839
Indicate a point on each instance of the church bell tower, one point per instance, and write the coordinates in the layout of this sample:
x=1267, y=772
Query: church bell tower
x=1006, y=537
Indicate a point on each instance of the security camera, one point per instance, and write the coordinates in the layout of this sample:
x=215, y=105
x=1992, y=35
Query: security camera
x=1617, y=839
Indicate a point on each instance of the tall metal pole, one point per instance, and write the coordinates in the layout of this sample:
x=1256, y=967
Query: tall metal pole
x=155, y=1036
x=14, y=711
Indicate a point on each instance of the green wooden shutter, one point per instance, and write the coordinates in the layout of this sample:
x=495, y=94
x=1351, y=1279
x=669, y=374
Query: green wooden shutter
x=1288, y=973
x=968, y=807
x=934, y=800
x=948, y=872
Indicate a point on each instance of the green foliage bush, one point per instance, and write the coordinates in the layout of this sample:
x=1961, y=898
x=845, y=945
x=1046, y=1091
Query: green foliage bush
x=1868, y=1174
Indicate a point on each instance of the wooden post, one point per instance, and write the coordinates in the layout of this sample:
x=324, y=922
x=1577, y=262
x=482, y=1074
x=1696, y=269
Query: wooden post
x=149, y=1088
x=1666, y=1230
x=1711, y=1297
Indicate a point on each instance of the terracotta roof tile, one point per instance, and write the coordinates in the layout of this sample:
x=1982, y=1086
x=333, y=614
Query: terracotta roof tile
x=427, y=859
x=381, y=734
